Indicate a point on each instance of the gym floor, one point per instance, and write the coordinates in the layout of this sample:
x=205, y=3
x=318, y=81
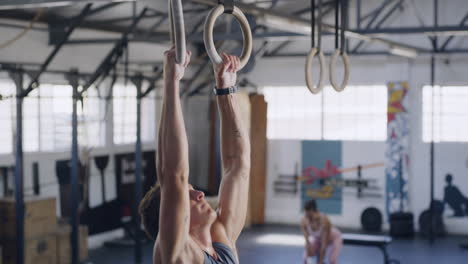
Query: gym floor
x=275, y=244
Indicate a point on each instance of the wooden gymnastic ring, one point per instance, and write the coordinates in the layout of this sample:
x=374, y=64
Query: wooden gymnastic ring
x=208, y=35
x=176, y=17
x=344, y=56
x=308, y=70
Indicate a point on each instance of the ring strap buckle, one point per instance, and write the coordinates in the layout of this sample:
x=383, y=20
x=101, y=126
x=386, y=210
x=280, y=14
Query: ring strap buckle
x=228, y=6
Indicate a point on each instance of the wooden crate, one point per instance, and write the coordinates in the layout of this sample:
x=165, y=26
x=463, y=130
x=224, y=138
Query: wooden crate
x=40, y=250
x=64, y=252
x=39, y=217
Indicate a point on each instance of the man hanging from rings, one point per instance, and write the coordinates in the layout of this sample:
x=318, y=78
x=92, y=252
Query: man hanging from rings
x=190, y=231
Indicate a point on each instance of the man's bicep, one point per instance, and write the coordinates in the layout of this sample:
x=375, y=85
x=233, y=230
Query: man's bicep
x=233, y=202
x=173, y=221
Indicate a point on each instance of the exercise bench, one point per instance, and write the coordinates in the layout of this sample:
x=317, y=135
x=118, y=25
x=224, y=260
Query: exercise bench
x=373, y=241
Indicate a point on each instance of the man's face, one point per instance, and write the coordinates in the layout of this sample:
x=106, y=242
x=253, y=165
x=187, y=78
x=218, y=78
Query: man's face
x=201, y=212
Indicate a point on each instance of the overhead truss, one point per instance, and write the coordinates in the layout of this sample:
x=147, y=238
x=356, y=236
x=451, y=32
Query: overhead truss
x=21, y=4
x=369, y=27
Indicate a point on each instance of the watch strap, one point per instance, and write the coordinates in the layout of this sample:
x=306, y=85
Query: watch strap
x=225, y=91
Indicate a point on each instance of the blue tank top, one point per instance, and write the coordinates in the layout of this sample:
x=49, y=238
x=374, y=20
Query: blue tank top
x=225, y=255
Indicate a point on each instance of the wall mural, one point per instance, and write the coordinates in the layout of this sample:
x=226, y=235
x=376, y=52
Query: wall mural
x=397, y=153
x=321, y=161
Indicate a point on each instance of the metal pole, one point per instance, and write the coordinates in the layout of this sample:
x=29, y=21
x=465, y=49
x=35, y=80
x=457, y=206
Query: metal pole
x=138, y=80
x=17, y=76
x=73, y=80
x=322, y=117
x=432, y=173
x=432, y=153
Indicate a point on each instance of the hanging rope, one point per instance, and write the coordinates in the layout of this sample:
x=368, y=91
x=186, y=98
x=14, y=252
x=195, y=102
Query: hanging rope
x=315, y=51
x=25, y=30
x=340, y=51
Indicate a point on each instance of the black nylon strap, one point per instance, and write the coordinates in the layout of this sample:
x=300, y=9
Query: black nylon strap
x=319, y=27
x=343, y=25
x=225, y=91
x=312, y=22
x=228, y=6
x=337, y=21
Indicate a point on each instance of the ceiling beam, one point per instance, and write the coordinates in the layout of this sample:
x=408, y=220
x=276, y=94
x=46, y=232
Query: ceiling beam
x=367, y=53
x=23, y=4
x=397, y=6
x=449, y=39
x=296, y=24
x=161, y=37
x=120, y=19
x=103, y=8
x=431, y=31
x=50, y=18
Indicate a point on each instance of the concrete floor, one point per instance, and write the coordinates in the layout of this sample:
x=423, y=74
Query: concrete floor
x=283, y=245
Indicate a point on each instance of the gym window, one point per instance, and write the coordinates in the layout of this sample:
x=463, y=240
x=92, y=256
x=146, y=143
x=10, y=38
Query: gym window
x=56, y=117
x=47, y=119
x=125, y=103
x=358, y=113
x=124, y=100
x=450, y=113
x=8, y=119
x=7, y=108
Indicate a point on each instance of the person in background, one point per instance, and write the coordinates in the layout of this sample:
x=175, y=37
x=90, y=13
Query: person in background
x=323, y=240
x=455, y=198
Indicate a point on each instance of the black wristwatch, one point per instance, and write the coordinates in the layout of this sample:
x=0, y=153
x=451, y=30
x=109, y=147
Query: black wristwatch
x=225, y=91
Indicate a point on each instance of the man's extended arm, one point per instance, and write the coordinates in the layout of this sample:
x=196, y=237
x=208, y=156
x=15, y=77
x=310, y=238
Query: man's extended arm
x=234, y=191
x=173, y=166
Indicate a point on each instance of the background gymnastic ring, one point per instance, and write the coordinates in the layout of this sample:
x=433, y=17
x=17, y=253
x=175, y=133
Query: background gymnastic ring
x=208, y=35
x=308, y=70
x=346, y=70
x=176, y=17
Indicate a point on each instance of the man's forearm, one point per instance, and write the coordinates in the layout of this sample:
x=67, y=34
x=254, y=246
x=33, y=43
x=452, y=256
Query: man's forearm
x=174, y=163
x=159, y=160
x=234, y=136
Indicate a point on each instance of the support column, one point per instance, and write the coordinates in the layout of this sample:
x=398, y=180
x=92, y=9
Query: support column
x=17, y=77
x=138, y=81
x=74, y=82
x=432, y=151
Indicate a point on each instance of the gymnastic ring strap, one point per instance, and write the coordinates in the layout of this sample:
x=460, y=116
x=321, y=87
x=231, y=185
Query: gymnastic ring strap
x=208, y=35
x=228, y=6
x=334, y=58
x=176, y=17
x=308, y=71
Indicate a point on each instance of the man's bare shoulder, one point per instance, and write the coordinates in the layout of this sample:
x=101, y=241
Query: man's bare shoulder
x=218, y=234
x=191, y=254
